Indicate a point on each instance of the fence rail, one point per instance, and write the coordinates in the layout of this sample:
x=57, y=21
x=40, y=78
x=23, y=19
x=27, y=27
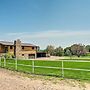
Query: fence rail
x=33, y=66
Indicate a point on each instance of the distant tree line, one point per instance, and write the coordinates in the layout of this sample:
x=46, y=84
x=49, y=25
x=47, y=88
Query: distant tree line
x=73, y=50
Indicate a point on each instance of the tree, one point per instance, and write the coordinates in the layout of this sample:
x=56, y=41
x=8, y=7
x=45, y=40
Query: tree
x=58, y=51
x=87, y=48
x=50, y=50
x=78, y=49
x=68, y=53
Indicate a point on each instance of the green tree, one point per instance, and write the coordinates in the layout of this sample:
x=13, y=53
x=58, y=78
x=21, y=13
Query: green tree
x=67, y=50
x=68, y=53
x=50, y=50
x=78, y=49
x=87, y=48
x=59, y=51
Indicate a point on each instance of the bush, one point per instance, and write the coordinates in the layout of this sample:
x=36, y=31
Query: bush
x=9, y=55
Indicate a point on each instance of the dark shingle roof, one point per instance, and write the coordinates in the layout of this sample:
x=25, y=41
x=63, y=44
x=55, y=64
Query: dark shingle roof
x=11, y=43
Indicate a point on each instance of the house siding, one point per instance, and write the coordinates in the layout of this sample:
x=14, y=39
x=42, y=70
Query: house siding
x=10, y=50
x=18, y=50
x=29, y=48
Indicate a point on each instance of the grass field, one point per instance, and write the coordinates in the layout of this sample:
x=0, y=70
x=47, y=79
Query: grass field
x=84, y=75
x=79, y=58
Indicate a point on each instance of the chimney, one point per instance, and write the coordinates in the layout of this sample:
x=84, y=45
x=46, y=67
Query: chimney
x=17, y=48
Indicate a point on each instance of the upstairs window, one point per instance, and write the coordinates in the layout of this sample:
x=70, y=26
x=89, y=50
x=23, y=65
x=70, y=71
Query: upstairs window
x=22, y=47
x=22, y=54
x=11, y=47
x=32, y=47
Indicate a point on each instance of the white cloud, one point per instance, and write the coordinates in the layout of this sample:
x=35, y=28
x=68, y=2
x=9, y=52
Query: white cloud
x=50, y=34
x=14, y=33
x=56, y=34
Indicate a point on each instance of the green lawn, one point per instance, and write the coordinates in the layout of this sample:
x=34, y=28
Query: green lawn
x=75, y=57
x=51, y=71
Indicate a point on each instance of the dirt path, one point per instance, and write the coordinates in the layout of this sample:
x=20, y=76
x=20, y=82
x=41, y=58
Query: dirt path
x=10, y=80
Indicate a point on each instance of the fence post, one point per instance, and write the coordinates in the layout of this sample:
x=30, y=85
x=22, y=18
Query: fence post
x=62, y=69
x=0, y=61
x=16, y=63
x=4, y=62
x=32, y=66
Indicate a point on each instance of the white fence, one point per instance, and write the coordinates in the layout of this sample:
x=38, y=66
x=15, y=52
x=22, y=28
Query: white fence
x=62, y=68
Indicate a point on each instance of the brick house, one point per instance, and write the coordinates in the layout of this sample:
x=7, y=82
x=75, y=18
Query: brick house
x=18, y=49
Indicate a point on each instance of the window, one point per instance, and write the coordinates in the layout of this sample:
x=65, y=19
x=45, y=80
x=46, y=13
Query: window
x=22, y=54
x=11, y=47
x=32, y=47
x=22, y=47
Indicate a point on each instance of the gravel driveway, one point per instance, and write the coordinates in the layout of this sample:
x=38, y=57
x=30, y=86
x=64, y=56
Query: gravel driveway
x=10, y=80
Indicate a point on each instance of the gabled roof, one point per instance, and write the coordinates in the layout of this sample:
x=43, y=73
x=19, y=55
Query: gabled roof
x=12, y=43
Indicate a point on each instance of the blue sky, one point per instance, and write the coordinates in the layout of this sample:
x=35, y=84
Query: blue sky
x=44, y=22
